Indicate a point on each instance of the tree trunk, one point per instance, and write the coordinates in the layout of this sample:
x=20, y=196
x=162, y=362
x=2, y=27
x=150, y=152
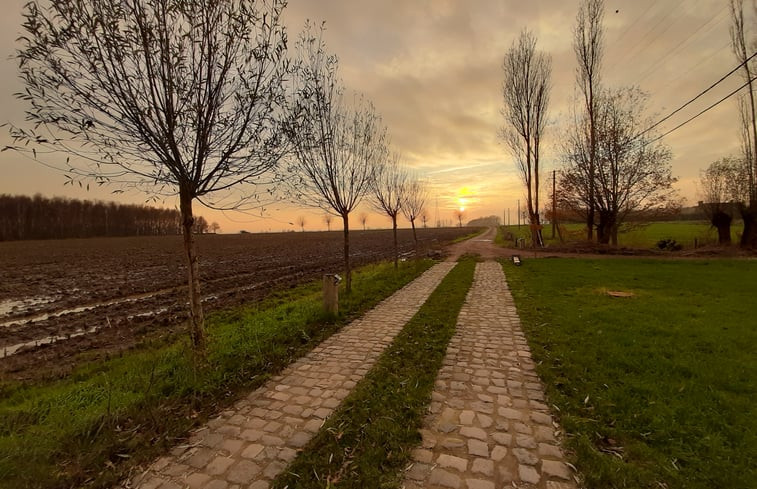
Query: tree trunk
x=722, y=222
x=196, y=319
x=535, y=225
x=749, y=215
x=605, y=226
x=396, y=247
x=415, y=237
x=347, y=269
x=592, y=157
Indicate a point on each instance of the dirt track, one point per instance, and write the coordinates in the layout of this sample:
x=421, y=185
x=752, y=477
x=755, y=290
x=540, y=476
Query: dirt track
x=104, y=295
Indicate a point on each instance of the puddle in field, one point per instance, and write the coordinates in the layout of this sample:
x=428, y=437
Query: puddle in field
x=74, y=310
x=12, y=306
x=7, y=351
x=148, y=313
x=13, y=349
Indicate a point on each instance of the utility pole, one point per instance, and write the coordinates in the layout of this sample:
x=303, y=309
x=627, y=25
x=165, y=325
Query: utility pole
x=438, y=224
x=518, y=213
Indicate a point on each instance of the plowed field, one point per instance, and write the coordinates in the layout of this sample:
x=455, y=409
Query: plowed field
x=62, y=297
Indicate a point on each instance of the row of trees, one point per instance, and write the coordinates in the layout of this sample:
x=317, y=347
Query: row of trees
x=339, y=147
x=23, y=217
x=395, y=191
x=417, y=187
x=202, y=99
x=614, y=164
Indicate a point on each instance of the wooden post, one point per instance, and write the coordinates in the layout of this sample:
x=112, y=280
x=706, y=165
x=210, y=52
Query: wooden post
x=331, y=293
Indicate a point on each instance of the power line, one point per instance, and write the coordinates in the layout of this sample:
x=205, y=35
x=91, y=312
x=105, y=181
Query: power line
x=700, y=94
x=639, y=47
x=704, y=60
x=627, y=29
x=703, y=111
x=681, y=44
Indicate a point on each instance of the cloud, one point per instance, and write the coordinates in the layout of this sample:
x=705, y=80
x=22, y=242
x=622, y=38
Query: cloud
x=433, y=70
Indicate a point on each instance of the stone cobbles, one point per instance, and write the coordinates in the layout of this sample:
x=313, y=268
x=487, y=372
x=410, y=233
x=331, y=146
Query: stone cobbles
x=249, y=445
x=488, y=426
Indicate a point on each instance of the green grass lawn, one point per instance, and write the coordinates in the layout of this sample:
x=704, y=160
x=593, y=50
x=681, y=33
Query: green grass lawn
x=636, y=236
x=658, y=390
x=91, y=427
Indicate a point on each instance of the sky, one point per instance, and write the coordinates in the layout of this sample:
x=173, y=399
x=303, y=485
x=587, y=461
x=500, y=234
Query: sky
x=433, y=69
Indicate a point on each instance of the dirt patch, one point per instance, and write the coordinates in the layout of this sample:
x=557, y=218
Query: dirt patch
x=620, y=293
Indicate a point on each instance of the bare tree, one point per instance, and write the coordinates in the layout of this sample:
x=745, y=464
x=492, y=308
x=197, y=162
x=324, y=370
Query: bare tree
x=175, y=97
x=337, y=143
x=749, y=121
x=632, y=172
x=588, y=37
x=412, y=207
x=363, y=220
x=526, y=97
x=723, y=186
x=327, y=218
x=389, y=187
x=301, y=223
x=424, y=218
x=200, y=225
x=459, y=214
x=215, y=227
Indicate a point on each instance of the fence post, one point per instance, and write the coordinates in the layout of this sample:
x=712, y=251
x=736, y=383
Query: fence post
x=331, y=293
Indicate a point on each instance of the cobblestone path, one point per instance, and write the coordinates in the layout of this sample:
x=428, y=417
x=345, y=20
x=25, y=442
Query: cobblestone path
x=488, y=426
x=247, y=446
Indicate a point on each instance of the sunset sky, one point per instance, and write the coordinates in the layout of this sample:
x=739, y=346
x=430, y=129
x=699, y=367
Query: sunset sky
x=433, y=70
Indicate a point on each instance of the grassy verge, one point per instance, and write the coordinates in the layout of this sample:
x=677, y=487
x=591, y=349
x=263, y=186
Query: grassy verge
x=684, y=232
x=642, y=236
x=90, y=428
x=367, y=441
x=656, y=390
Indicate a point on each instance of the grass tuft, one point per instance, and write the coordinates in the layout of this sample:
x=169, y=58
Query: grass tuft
x=366, y=442
x=90, y=428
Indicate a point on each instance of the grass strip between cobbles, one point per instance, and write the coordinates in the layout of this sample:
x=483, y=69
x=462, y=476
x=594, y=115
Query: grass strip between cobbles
x=90, y=428
x=366, y=442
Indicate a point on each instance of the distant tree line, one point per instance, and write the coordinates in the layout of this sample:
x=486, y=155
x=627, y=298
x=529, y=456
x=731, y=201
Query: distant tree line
x=23, y=217
x=488, y=221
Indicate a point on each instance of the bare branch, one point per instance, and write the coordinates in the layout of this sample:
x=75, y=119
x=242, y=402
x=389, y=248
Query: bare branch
x=182, y=97
x=631, y=173
x=337, y=144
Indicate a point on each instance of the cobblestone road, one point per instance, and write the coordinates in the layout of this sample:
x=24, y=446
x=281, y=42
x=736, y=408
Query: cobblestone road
x=247, y=446
x=488, y=426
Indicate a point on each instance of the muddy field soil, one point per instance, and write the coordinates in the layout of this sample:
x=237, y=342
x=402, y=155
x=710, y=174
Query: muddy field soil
x=59, y=298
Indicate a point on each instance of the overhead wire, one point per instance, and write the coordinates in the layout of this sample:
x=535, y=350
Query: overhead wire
x=716, y=52
x=641, y=46
x=627, y=29
x=734, y=92
x=683, y=42
x=700, y=94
